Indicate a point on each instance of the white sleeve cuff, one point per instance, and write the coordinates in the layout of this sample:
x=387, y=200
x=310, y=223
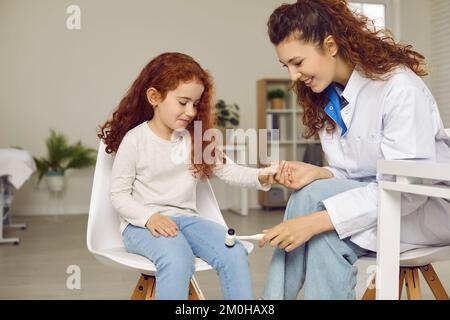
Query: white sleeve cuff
x=352, y=211
x=259, y=186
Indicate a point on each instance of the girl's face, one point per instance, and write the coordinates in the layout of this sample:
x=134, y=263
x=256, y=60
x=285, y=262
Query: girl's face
x=307, y=63
x=179, y=108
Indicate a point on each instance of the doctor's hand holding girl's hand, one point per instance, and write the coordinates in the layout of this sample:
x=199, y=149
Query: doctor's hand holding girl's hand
x=160, y=225
x=295, y=175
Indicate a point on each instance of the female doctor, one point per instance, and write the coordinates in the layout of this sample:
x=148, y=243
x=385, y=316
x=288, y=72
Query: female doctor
x=362, y=93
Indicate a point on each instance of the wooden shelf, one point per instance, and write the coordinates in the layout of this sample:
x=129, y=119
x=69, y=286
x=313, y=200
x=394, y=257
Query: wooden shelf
x=296, y=142
x=284, y=111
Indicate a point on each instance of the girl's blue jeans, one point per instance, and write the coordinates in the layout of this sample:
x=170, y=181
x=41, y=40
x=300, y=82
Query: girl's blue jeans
x=174, y=257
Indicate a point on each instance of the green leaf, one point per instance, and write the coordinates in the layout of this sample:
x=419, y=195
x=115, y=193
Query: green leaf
x=276, y=93
x=226, y=115
x=62, y=156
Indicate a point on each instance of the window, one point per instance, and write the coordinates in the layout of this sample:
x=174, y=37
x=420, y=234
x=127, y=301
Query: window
x=440, y=58
x=374, y=11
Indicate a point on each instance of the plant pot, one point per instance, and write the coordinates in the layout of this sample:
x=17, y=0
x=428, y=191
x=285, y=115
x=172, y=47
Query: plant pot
x=55, y=181
x=277, y=103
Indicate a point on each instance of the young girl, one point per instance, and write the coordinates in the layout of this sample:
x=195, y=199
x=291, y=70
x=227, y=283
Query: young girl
x=154, y=192
x=363, y=94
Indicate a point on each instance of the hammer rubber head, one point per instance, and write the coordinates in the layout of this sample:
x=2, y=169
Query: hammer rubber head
x=230, y=238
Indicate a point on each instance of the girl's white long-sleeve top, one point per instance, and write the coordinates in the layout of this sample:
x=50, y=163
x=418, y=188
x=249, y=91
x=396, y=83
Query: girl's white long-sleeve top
x=151, y=175
x=396, y=119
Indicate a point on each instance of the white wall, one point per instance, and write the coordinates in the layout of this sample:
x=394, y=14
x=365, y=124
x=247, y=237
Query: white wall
x=412, y=25
x=71, y=80
x=440, y=57
x=425, y=24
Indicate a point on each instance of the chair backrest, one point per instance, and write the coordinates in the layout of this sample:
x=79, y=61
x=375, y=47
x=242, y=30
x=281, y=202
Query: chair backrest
x=103, y=229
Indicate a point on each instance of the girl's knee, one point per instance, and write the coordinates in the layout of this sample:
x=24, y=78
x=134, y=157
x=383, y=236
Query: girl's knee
x=238, y=251
x=236, y=255
x=176, y=261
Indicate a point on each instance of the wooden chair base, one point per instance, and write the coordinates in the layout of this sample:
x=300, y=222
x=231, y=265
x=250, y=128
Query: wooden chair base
x=410, y=277
x=145, y=289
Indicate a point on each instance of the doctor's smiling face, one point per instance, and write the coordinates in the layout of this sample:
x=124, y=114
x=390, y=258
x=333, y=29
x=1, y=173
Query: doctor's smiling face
x=317, y=66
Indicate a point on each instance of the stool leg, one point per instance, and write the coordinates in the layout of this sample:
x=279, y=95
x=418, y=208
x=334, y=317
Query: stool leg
x=145, y=288
x=413, y=284
x=401, y=282
x=371, y=291
x=194, y=291
x=433, y=282
x=151, y=285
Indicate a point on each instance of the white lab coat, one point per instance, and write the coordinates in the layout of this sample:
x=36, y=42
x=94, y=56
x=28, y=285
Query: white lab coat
x=393, y=119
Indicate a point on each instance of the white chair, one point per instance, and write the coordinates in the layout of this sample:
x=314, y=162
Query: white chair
x=104, y=239
x=412, y=175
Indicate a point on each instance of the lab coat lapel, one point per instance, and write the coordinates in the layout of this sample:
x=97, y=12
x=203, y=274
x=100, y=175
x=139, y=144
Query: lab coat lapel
x=351, y=92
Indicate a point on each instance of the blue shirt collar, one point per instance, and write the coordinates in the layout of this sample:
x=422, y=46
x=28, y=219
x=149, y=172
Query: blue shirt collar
x=334, y=106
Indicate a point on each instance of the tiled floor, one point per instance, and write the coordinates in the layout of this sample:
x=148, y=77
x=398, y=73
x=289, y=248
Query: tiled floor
x=36, y=268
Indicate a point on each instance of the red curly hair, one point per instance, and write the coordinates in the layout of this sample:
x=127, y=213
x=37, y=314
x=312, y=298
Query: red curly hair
x=164, y=73
x=373, y=53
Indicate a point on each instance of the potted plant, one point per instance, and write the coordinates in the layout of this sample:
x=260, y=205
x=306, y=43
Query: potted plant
x=276, y=98
x=226, y=115
x=61, y=157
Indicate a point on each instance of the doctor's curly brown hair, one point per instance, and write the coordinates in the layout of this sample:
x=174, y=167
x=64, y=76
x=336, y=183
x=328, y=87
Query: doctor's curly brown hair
x=373, y=53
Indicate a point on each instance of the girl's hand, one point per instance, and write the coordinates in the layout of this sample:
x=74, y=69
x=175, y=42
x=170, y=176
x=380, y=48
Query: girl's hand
x=266, y=175
x=295, y=175
x=291, y=234
x=160, y=225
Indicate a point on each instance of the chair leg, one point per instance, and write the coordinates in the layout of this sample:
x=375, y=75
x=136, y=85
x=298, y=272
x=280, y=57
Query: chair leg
x=370, y=293
x=145, y=289
x=194, y=291
x=433, y=282
x=413, y=284
x=401, y=282
x=150, y=294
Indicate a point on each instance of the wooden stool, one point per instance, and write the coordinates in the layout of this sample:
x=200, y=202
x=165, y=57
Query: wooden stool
x=145, y=289
x=410, y=276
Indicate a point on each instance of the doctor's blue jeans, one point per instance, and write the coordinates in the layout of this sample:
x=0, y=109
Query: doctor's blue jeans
x=323, y=266
x=174, y=257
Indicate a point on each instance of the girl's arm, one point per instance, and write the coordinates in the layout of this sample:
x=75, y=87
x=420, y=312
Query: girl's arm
x=242, y=176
